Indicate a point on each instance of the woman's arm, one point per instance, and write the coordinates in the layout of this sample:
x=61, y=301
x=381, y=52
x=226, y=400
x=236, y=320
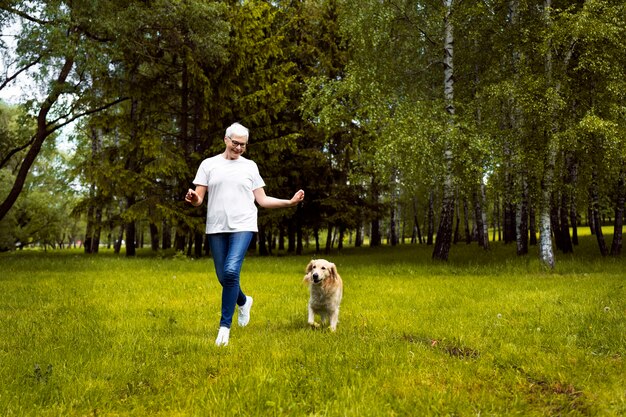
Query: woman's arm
x=196, y=197
x=266, y=201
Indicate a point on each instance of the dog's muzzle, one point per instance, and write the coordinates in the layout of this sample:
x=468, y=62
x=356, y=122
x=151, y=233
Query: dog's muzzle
x=316, y=278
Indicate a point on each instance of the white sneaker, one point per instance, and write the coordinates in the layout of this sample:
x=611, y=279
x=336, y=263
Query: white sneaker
x=244, y=312
x=222, y=336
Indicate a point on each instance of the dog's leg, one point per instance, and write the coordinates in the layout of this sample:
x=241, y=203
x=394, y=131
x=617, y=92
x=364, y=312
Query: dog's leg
x=334, y=319
x=312, y=322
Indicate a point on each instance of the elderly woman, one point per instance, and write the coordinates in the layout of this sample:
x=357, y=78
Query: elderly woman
x=232, y=184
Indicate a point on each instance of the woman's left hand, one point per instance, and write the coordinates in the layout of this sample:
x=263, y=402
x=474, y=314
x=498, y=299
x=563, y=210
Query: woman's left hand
x=297, y=197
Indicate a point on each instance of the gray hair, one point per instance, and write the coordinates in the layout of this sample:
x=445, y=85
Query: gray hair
x=237, y=129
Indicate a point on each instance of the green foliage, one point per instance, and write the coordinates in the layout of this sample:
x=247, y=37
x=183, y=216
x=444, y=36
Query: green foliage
x=16, y=129
x=344, y=98
x=42, y=213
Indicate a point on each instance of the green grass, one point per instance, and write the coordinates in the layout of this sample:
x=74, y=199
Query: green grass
x=486, y=333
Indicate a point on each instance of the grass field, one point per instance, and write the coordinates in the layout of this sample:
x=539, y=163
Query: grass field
x=485, y=334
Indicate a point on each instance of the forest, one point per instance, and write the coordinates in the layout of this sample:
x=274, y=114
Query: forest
x=433, y=122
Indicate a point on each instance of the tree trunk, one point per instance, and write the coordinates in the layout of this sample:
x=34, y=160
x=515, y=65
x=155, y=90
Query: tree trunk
x=566, y=240
x=291, y=236
x=414, y=230
x=329, y=239
x=281, y=237
x=546, y=251
x=555, y=222
x=595, y=213
x=560, y=210
x=509, y=222
x=299, y=234
x=546, y=254
x=179, y=240
x=342, y=231
x=481, y=217
x=393, y=232
x=478, y=219
x=532, y=225
x=358, y=240
x=154, y=237
x=198, y=240
x=95, y=241
x=131, y=166
x=430, y=218
x=375, y=238
x=443, y=240
x=167, y=235
x=117, y=246
x=496, y=218
x=269, y=235
x=189, y=241
x=574, y=222
x=616, y=245
x=416, y=223
x=522, y=220
x=90, y=223
x=263, y=251
x=403, y=220
x=316, y=235
x=130, y=231
x=592, y=227
x=573, y=179
x=466, y=227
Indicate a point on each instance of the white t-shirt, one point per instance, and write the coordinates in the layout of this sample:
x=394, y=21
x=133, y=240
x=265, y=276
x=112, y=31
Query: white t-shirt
x=230, y=201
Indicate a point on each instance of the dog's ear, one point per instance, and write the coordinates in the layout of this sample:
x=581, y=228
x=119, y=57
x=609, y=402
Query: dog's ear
x=308, y=269
x=333, y=271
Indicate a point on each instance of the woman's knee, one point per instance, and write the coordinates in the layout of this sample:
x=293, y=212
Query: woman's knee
x=230, y=277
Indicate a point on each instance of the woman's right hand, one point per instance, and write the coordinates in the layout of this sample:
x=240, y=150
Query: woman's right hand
x=191, y=197
x=195, y=197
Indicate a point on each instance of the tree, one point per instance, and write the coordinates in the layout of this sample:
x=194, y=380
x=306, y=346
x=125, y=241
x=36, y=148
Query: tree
x=42, y=213
x=444, y=232
x=62, y=70
x=145, y=151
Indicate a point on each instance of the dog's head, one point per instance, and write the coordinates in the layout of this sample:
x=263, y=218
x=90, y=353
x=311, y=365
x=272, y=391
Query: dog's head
x=319, y=271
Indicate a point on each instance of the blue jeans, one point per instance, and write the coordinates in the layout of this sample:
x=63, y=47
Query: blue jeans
x=228, y=250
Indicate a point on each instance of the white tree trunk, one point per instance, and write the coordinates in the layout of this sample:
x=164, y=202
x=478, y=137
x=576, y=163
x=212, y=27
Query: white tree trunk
x=443, y=240
x=546, y=251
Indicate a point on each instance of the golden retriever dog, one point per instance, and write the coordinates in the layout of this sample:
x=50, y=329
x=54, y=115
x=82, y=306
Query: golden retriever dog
x=326, y=290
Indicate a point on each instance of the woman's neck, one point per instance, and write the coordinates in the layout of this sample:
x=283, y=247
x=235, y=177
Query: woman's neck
x=230, y=156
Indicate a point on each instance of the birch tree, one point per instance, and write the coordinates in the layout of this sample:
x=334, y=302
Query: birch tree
x=444, y=231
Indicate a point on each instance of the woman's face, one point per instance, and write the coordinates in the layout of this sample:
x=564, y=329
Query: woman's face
x=235, y=146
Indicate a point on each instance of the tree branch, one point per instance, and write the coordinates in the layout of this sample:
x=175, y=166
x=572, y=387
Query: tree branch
x=23, y=69
x=6, y=159
x=53, y=126
x=408, y=18
x=26, y=16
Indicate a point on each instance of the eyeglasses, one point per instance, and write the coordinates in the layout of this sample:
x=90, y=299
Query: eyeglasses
x=236, y=143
